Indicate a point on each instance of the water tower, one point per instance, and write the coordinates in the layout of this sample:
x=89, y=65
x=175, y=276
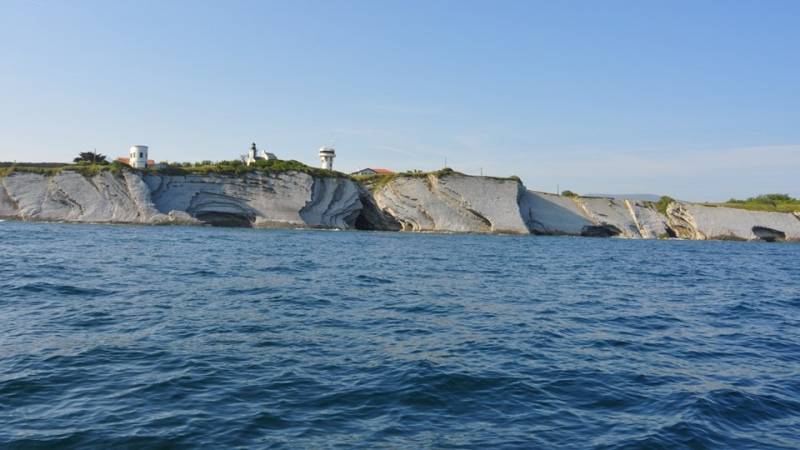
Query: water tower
x=326, y=155
x=139, y=156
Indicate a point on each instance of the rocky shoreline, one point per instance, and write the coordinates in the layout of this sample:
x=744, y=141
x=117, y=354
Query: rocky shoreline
x=429, y=203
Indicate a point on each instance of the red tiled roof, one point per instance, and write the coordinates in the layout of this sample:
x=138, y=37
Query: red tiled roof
x=381, y=170
x=127, y=161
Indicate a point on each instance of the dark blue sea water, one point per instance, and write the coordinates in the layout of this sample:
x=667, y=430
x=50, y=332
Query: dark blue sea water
x=182, y=337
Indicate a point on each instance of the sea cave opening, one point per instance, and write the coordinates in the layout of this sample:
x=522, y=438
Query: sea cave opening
x=230, y=220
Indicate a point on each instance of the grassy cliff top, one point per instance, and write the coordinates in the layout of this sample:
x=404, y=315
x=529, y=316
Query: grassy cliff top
x=379, y=180
x=237, y=168
x=752, y=207
x=764, y=202
x=229, y=168
x=50, y=169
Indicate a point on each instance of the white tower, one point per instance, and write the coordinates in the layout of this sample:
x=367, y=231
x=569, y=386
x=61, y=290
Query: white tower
x=139, y=156
x=251, y=154
x=326, y=155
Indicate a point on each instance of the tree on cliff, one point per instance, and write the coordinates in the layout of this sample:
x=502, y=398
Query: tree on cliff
x=91, y=158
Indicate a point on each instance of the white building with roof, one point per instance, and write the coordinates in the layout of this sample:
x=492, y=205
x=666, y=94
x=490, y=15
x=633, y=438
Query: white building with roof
x=253, y=156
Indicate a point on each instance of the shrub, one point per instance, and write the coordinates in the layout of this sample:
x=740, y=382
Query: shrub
x=91, y=158
x=117, y=167
x=766, y=202
x=568, y=193
x=663, y=203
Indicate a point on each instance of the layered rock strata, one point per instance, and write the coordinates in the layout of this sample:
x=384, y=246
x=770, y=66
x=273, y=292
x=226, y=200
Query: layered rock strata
x=719, y=223
x=277, y=200
x=453, y=204
x=591, y=216
x=447, y=203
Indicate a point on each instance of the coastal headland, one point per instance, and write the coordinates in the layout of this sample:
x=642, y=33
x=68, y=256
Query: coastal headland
x=443, y=201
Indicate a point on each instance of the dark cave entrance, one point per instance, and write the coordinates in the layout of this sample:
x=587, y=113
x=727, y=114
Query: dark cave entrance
x=221, y=219
x=600, y=231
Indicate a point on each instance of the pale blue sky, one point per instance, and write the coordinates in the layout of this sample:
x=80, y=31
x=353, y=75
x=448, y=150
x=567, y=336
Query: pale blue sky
x=699, y=100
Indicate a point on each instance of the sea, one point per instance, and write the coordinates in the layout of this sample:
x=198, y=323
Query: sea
x=143, y=337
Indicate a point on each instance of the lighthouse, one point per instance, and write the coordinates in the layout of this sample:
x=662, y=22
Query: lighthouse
x=139, y=156
x=326, y=155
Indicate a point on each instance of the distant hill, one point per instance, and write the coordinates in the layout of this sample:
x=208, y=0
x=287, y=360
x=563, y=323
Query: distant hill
x=643, y=197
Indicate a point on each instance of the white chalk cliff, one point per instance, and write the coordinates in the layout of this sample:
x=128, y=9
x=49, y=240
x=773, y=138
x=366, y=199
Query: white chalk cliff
x=591, y=216
x=444, y=203
x=453, y=203
x=719, y=223
x=289, y=199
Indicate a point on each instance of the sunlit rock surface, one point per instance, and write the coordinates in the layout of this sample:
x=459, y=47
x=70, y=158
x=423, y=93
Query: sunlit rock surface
x=447, y=203
x=280, y=200
x=453, y=203
x=553, y=214
x=69, y=196
x=719, y=223
x=650, y=222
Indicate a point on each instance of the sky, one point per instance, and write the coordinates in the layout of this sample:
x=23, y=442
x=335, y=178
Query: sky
x=696, y=100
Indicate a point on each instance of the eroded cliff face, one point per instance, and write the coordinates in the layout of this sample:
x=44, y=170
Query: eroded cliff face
x=274, y=200
x=453, y=203
x=588, y=216
x=719, y=223
x=448, y=203
x=71, y=197
x=552, y=214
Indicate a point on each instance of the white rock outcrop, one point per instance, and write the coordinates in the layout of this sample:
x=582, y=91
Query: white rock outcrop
x=651, y=223
x=69, y=196
x=720, y=223
x=591, y=216
x=289, y=199
x=633, y=219
x=553, y=214
x=334, y=202
x=611, y=215
x=453, y=203
x=447, y=203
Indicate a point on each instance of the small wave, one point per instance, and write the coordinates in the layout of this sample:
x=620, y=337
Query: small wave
x=60, y=289
x=202, y=273
x=366, y=279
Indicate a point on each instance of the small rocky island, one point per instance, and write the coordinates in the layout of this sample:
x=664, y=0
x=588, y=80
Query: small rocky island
x=280, y=194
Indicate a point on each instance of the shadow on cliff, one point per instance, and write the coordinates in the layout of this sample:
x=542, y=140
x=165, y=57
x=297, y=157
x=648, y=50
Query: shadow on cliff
x=543, y=215
x=371, y=218
x=219, y=210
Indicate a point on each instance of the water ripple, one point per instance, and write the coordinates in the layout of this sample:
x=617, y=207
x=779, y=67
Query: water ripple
x=322, y=340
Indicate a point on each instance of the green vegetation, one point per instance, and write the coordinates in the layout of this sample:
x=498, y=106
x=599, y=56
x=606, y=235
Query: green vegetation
x=238, y=168
x=117, y=167
x=379, y=180
x=87, y=170
x=445, y=171
x=764, y=202
x=568, y=193
x=230, y=168
x=90, y=158
x=663, y=203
